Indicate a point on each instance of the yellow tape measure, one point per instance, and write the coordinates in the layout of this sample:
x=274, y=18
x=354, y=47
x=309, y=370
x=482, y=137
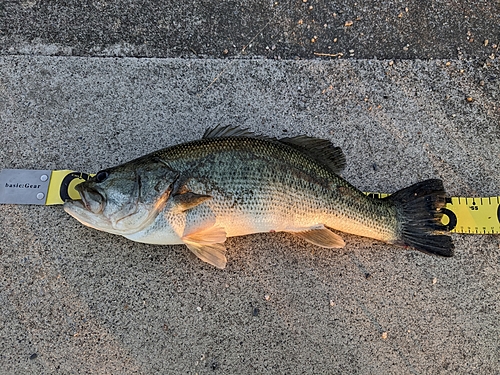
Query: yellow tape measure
x=461, y=215
x=473, y=215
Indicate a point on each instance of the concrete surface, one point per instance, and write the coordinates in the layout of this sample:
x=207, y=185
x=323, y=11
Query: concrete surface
x=285, y=29
x=74, y=300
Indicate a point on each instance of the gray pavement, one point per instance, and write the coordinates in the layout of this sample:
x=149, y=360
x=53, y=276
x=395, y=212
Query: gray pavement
x=285, y=29
x=75, y=300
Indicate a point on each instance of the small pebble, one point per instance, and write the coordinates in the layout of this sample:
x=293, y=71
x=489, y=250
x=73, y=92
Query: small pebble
x=348, y=23
x=434, y=280
x=198, y=308
x=267, y=297
x=384, y=335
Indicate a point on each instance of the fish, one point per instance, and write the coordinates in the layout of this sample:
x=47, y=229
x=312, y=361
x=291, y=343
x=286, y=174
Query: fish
x=233, y=182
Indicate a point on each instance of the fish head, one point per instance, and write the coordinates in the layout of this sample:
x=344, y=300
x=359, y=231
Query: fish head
x=124, y=199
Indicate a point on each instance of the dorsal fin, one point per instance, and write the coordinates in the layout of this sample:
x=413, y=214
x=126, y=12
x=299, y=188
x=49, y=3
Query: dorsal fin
x=233, y=131
x=321, y=150
x=228, y=131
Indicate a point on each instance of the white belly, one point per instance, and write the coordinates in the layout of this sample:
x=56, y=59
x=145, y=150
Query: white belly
x=160, y=232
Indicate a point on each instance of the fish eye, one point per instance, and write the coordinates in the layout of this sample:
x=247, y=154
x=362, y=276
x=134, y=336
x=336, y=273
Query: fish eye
x=101, y=176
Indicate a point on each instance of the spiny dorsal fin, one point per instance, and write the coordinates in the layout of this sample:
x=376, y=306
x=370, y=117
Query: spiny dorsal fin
x=228, y=131
x=233, y=131
x=321, y=150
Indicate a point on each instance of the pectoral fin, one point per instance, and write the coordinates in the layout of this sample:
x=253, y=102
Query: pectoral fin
x=321, y=236
x=207, y=244
x=185, y=201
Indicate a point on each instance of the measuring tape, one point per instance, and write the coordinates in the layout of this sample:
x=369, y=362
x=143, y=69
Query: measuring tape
x=44, y=187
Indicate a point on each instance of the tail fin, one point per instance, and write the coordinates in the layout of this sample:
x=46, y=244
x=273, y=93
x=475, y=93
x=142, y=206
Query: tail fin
x=419, y=215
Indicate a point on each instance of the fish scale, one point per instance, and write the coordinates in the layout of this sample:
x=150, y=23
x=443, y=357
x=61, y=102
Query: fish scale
x=281, y=179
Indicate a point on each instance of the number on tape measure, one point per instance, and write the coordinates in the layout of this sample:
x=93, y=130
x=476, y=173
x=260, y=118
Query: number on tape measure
x=472, y=215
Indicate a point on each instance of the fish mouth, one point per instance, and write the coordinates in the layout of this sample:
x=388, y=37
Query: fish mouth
x=91, y=199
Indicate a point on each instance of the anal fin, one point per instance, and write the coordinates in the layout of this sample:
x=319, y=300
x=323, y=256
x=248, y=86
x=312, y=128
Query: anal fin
x=321, y=236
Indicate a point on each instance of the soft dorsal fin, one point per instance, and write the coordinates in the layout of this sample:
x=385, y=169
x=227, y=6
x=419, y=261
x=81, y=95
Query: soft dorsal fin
x=321, y=150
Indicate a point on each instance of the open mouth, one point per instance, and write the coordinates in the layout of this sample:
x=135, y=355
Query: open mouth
x=91, y=200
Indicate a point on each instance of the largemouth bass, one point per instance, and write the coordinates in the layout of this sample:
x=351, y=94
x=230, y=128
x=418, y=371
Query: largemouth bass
x=232, y=183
